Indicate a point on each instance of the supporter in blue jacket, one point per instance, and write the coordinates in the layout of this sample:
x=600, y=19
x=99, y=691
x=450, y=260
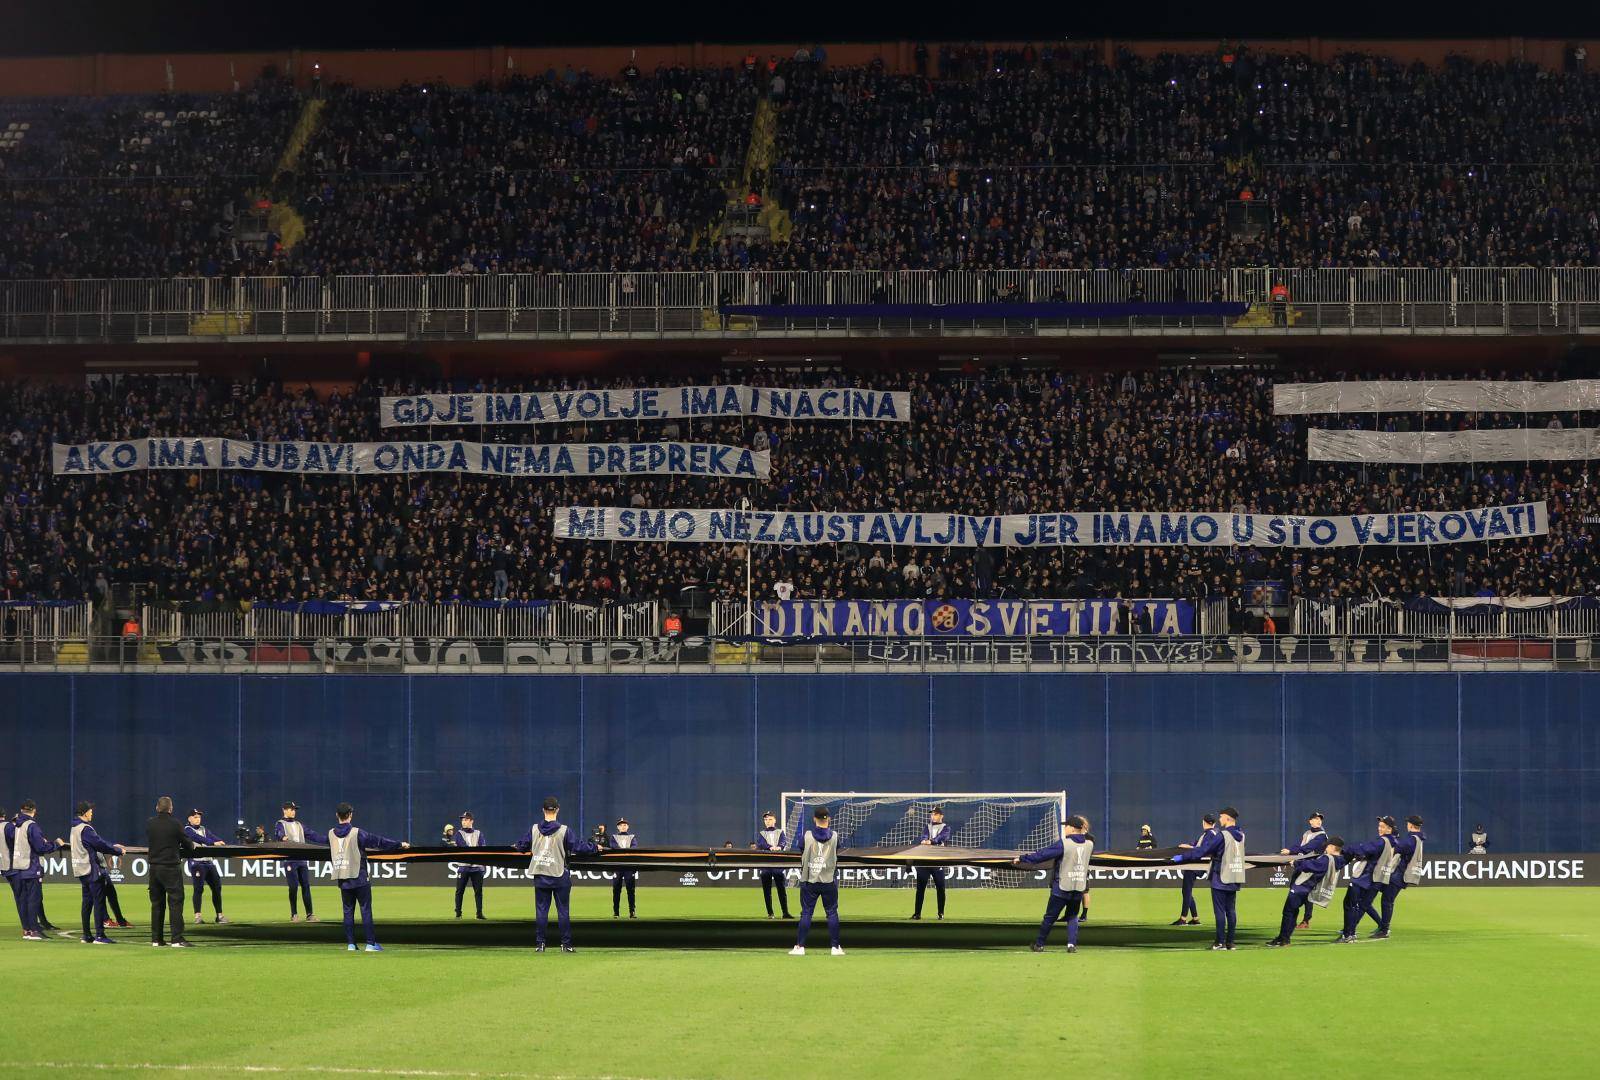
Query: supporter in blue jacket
x=1069, y=878
x=1313, y=879
x=550, y=842
x=1225, y=849
x=27, y=842
x=348, y=847
x=1188, y=910
x=86, y=848
x=1409, y=846
x=203, y=872
x=1359, y=893
x=937, y=835
x=297, y=872
x=770, y=838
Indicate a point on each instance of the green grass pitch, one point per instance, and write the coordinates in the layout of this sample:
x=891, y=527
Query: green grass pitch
x=1475, y=982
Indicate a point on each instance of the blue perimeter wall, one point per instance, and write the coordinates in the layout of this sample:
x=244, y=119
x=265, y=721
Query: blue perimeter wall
x=693, y=758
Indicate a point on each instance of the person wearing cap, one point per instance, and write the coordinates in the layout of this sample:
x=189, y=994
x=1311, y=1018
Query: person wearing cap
x=1226, y=875
x=297, y=871
x=1189, y=911
x=26, y=842
x=87, y=866
x=1069, y=879
x=468, y=836
x=1312, y=841
x=202, y=871
x=819, y=861
x=348, y=847
x=1313, y=879
x=622, y=840
x=770, y=838
x=1406, y=872
x=1363, y=860
x=937, y=835
x=549, y=843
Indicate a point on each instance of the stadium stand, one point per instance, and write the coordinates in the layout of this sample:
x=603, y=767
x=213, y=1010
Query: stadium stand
x=1007, y=159
x=982, y=440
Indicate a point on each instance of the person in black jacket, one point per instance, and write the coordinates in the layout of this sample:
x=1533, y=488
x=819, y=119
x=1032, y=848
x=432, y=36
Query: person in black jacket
x=168, y=848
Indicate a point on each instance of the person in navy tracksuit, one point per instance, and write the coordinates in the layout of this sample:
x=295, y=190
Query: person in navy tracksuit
x=1408, y=844
x=550, y=842
x=1312, y=842
x=819, y=880
x=1306, y=875
x=1360, y=892
x=26, y=842
x=468, y=836
x=1225, y=849
x=203, y=872
x=87, y=847
x=1189, y=911
x=937, y=835
x=296, y=871
x=347, y=848
x=770, y=838
x=1069, y=879
x=622, y=838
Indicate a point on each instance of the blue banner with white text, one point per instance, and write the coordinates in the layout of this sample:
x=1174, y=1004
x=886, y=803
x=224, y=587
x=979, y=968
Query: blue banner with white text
x=971, y=618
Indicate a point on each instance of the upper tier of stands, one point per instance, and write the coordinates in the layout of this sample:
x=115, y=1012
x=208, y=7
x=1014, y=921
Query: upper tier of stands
x=1001, y=160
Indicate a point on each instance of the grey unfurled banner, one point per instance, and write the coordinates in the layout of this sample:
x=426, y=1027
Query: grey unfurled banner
x=1447, y=447
x=648, y=403
x=397, y=458
x=1089, y=529
x=1442, y=395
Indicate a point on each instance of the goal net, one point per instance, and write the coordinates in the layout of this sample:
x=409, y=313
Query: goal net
x=1005, y=821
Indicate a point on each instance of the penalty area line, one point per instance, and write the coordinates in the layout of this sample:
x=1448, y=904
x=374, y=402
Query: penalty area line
x=299, y=1070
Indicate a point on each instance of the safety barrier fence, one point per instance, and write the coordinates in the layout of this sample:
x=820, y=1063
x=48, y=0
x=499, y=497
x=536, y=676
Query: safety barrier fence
x=676, y=652
x=557, y=620
x=469, y=307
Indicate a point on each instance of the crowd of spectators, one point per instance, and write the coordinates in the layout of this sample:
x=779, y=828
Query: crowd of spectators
x=146, y=186
x=984, y=159
x=561, y=173
x=982, y=440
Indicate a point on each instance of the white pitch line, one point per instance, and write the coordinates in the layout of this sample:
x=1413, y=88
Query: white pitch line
x=323, y=1070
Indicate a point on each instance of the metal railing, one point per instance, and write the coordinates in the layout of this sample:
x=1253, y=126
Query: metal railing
x=467, y=307
x=558, y=620
x=1501, y=620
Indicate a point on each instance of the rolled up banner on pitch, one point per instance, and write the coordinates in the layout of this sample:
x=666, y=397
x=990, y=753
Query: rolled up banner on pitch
x=1445, y=395
x=392, y=459
x=1089, y=529
x=647, y=403
x=1446, y=447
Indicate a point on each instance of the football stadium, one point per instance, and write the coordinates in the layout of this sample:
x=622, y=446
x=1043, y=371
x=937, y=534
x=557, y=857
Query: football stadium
x=768, y=549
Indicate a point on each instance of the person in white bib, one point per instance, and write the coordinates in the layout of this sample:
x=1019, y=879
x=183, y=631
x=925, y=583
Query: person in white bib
x=468, y=836
x=622, y=838
x=550, y=843
x=297, y=872
x=1070, y=857
x=348, y=847
x=819, y=860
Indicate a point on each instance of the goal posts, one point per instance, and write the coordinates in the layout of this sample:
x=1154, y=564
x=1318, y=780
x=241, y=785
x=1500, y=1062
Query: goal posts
x=991, y=820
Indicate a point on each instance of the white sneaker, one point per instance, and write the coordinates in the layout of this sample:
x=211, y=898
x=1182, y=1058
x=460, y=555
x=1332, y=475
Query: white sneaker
x=798, y=950
x=294, y=918
x=311, y=918
x=199, y=918
x=838, y=951
x=221, y=918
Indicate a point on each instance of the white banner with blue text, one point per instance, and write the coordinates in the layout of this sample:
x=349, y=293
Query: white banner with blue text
x=647, y=403
x=390, y=459
x=1089, y=529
